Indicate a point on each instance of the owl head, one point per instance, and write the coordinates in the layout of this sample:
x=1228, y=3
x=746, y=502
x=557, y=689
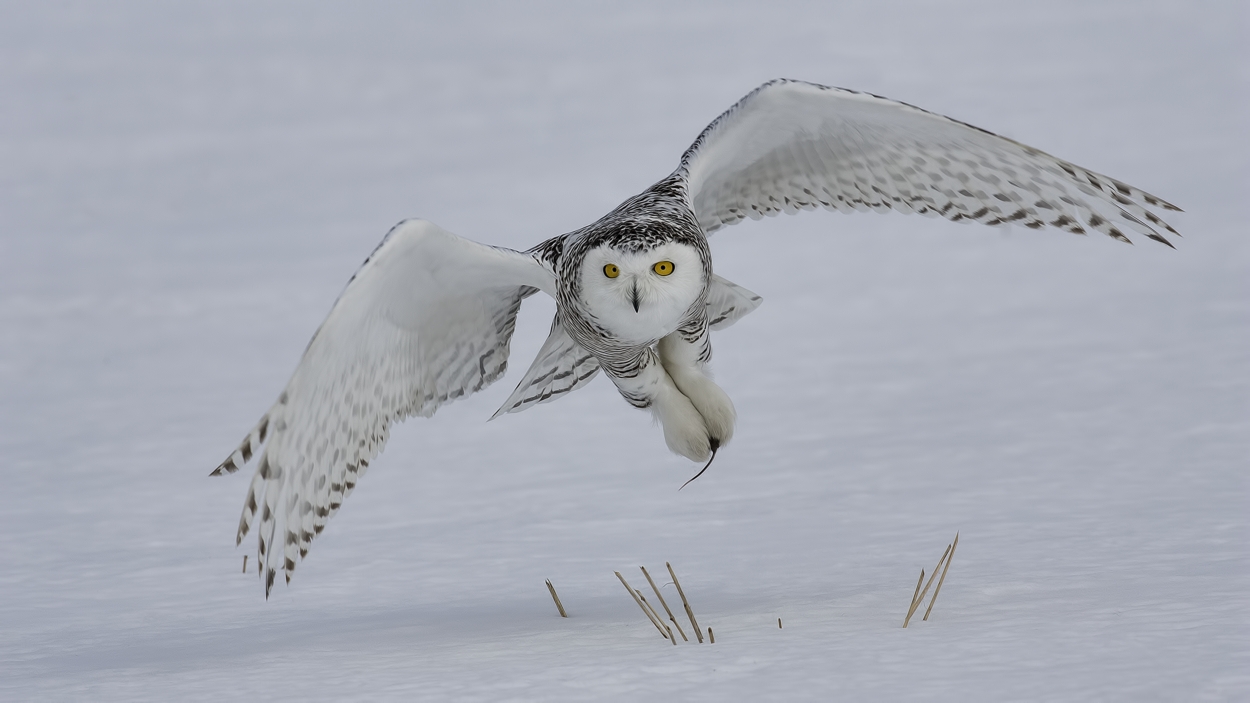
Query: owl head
x=642, y=294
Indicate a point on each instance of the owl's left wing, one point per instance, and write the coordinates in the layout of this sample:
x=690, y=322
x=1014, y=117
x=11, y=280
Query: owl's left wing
x=790, y=146
x=427, y=319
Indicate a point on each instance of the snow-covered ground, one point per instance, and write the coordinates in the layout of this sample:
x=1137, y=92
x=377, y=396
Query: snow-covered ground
x=184, y=190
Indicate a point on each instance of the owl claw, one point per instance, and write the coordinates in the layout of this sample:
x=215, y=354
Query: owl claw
x=714, y=443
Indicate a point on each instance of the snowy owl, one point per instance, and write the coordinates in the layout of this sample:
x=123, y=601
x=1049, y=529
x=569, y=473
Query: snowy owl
x=428, y=317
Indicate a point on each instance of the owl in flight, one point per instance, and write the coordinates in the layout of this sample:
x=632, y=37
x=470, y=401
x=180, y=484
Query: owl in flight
x=428, y=317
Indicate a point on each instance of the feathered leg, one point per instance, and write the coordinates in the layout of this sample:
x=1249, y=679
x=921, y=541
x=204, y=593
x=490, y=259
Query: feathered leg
x=648, y=385
x=685, y=354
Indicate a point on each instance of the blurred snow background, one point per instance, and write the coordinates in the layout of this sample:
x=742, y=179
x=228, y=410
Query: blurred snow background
x=185, y=189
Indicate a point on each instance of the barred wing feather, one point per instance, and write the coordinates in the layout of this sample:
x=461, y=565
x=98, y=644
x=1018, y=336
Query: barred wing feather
x=728, y=302
x=560, y=367
x=790, y=146
x=426, y=320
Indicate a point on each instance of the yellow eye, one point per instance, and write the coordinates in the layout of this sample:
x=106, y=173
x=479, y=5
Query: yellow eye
x=663, y=268
x=611, y=271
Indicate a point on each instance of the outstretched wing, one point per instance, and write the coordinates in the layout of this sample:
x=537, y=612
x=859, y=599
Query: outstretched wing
x=790, y=146
x=426, y=320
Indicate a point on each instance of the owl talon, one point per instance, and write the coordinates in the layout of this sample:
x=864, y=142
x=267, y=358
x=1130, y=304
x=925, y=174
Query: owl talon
x=714, y=443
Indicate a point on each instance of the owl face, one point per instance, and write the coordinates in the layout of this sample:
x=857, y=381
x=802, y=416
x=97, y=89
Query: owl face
x=642, y=296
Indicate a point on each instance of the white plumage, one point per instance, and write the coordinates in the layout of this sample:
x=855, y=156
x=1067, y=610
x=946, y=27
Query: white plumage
x=428, y=318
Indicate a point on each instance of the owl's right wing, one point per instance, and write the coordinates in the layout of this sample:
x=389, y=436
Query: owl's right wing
x=790, y=146
x=427, y=319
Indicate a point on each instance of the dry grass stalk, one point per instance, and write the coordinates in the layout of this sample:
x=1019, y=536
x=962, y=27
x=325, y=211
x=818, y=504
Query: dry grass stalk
x=938, y=590
x=685, y=603
x=915, y=594
x=245, y=563
x=656, y=614
x=667, y=629
x=916, y=603
x=710, y=637
x=556, y=598
x=645, y=611
x=665, y=604
x=650, y=608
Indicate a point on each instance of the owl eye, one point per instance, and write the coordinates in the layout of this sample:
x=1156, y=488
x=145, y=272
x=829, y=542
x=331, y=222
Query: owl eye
x=663, y=268
x=611, y=271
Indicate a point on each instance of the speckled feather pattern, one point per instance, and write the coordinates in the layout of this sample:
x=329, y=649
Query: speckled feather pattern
x=377, y=359
x=791, y=145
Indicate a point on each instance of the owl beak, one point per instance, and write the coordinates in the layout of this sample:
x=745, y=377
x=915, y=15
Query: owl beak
x=633, y=296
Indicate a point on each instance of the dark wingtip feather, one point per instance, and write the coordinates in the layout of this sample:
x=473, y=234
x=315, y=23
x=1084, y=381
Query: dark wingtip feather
x=1156, y=201
x=1161, y=239
x=228, y=467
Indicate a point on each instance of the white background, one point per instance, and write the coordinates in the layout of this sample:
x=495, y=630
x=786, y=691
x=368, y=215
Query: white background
x=185, y=189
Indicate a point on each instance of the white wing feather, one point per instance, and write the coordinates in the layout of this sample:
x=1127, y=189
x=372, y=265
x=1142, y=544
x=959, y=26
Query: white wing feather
x=790, y=146
x=426, y=320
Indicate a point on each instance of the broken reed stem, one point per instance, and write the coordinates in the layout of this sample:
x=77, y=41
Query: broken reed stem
x=710, y=637
x=685, y=603
x=245, y=563
x=917, y=591
x=665, y=604
x=667, y=629
x=637, y=600
x=912, y=611
x=938, y=590
x=556, y=598
x=656, y=613
x=920, y=599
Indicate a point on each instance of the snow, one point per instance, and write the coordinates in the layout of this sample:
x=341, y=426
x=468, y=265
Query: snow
x=184, y=189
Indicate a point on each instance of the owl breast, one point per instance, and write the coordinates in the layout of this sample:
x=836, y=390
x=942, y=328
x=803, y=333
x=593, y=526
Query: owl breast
x=650, y=323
